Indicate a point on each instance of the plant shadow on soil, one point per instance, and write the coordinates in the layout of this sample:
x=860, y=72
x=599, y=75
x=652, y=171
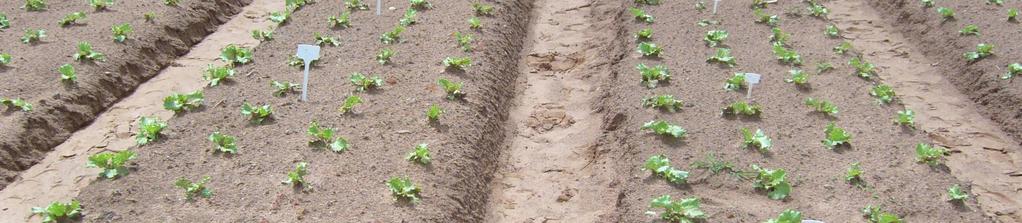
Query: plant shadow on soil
x=439, y=127
x=653, y=179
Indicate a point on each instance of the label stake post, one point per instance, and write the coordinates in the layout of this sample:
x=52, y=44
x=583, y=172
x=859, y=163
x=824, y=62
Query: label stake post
x=307, y=53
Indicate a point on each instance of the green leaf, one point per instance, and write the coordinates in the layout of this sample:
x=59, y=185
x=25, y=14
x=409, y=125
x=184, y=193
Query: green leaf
x=457, y=63
x=356, y=5
x=663, y=102
x=652, y=76
x=665, y=128
x=759, y=140
x=835, y=136
x=906, y=118
x=464, y=41
x=931, y=155
x=724, y=57
x=363, y=83
x=773, y=181
x=742, y=108
x=216, y=75
x=233, y=54
x=384, y=56
x=641, y=15
x=822, y=106
x=149, y=130
x=178, y=102
x=350, y=103
x=715, y=37
x=326, y=40
x=58, y=211
x=112, y=163
x=884, y=93
x=433, y=113
x=969, y=30
x=420, y=154
x=67, y=73
x=403, y=189
x=101, y=4
x=193, y=189
x=224, y=143
x=788, y=216
x=296, y=177
x=955, y=193
x=482, y=9
x=863, y=68
x=71, y=18
x=85, y=52
x=453, y=89
x=281, y=88
x=121, y=32
x=798, y=77
x=257, y=113
x=340, y=21
x=393, y=36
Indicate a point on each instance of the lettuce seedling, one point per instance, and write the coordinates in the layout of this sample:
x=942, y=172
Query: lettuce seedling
x=778, y=36
x=149, y=129
x=647, y=2
x=384, y=56
x=1012, y=15
x=67, y=73
x=798, y=77
x=4, y=22
x=393, y=36
x=403, y=189
x=356, y=5
x=420, y=154
x=101, y=4
x=764, y=18
x=234, y=54
x=257, y=113
x=663, y=102
x=475, y=23
x=453, y=89
x=883, y=93
x=224, y=143
x=996, y=2
x=5, y=59
x=956, y=194
x=716, y=165
x=340, y=21
x=759, y=140
x=16, y=103
x=296, y=177
x=363, y=83
x=684, y=210
x=409, y=18
x=843, y=48
x=786, y=55
x=58, y=212
x=760, y=4
x=644, y=34
x=85, y=52
x=294, y=61
x=171, y=2
x=296, y=4
x=281, y=88
x=823, y=67
x=112, y=163
x=193, y=189
x=649, y=49
x=323, y=136
x=1014, y=69
x=817, y=9
x=931, y=155
x=724, y=57
x=906, y=118
x=715, y=37
x=71, y=18
x=326, y=40
x=660, y=165
x=121, y=32
x=464, y=41
x=651, y=76
x=863, y=68
x=771, y=181
x=178, y=102
x=149, y=16
x=788, y=216
x=262, y=35
x=34, y=5
x=946, y=13
x=641, y=15
x=832, y=31
x=735, y=82
x=983, y=50
x=700, y=6
x=433, y=113
x=854, y=173
x=420, y=4
x=457, y=63
x=665, y=129
x=707, y=22
x=350, y=103
x=927, y=3
x=280, y=17
x=33, y=35
x=742, y=108
x=216, y=75
x=969, y=30
x=835, y=136
x=482, y=9
x=874, y=214
x=822, y=106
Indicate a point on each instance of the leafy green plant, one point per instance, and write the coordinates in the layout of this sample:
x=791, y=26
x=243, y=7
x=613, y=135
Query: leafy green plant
x=257, y=114
x=863, y=68
x=224, y=143
x=216, y=75
x=67, y=73
x=758, y=140
x=946, y=13
x=649, y=49
x=983, y=50
x=798, y=77
x=194, y=189
x=969, y=30
x=16, y=103
x=647, y=2
x=764, y=18
x=262, y=35
x=883, y=93
x=294, y=61
x=715, y=37
x=735, y=83
x=822, y=106
x=280, y=17
x=403, y=189
x=363, y=83
x=906, y=118
x=475, y=23
x=660, y=165
x=482, y=9
x=33, y=36
x=340, y=21
x=5, y=59
x=716, y=165
x=843, y=48
x=874, y=214
x=420, y=4
x=1012, y=15
x=823, y=67
x=854, y=173
x=700, y=6
x=707, y=22
x=350, y=103
x=742, y=108
x=323, y=136
x=149, y=129
x=644, y=34
x=464, y=40
x=85, y=52
x=685, y=210
x=171, y=2
x=817, y=9
x=4, y=22
x=663, y=102
x=234, y=54
x=433, y=113
x=281, y=88
x=641, y=15
x=178, y=102
x=409, y=17
x=787, y=55
x=296, y=177
x=393, y=36
x=956, y=194
x=56, y=211
x=788, y=216
x=34, y=5
x=832, y=31
x=835, y=136
x=927, y=3
x=772, y=181
x=71, y=18
x=121, y=32
x=651, y=76
x=420, y=154
x=996, y=2
x=931, y=155
x=384, y=56
x=149, y=16
x=112, y=163
x=1014, y=69
x=326, y=40
x=457, y=63
x=356, y=5
x=724, y=57
x=101, y=4
x=664, y=128
x=778, y=36
x=453, y=89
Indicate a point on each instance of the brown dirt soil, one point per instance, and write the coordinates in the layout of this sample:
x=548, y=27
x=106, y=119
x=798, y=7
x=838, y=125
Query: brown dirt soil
x=62, y=109
x=465, y=144
x=1000, y=100
x=916, y=192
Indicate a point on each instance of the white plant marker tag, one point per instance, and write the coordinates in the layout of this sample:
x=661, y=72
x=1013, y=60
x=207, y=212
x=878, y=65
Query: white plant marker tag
x=751, y=79
x=379, y=7
x=307, y=53
x=715, y=3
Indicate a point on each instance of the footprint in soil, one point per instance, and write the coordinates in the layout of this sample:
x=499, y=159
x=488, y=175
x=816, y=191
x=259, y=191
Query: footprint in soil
x=546, y=117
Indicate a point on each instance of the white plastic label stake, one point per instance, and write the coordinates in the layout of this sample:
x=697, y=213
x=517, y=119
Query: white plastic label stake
x=379, y=7
x=307, y=53
x=715, y=3
x=751, y=79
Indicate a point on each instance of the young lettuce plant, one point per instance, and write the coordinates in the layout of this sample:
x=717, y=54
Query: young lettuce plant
x=262, y=35
x=822, y=106
x=715, y=37
x=403, y=189
x=323, y=136
x=340, y=21
x=281, y=88
x=665, y=129
x=363, y=83
x=5, y=59
x=420, y=4
x=234, y=54
x=171, y=2
x=956, y=194
x=280, y=17
x=121, y=32
x=71, y=19
x=67, y=73
x=482, y=9
x=927, y=3
x=835, y=136
x=326, y=40
x=651, y=76
x=393, y=36
x=660, y=165
x=57, y=211
x=457, y=63
x=16, y=103
x=216, y=75
x=256, y=114
x=100, y=5
x=946, y=13
x=1014, y=69
x=906, y=118
x=149, y=129
x=931, y=155
x=772, y=181
x=356, y=5
x=433, y=113
x=112, y=163
x=883, y=93
x=969, y=30
x=874, y=214
x=224, y=143
x=843, y=48
x=1012, y=15
x=178, y=102
x=817, y=9
x=644, y=34
x=384, y=56
x=735, y=83
x=85, y=52
x=666, y=102
x=420, y=154
x=33, y=36
x=684, y=210
x=648, y=49
x=996, y=2
x=788, y=216
x=296, y=177
x=194, y=189
x=409, y=18
x=723, y=57
x=4, y=21
x=350, y=104
x=34, y=5
x=863, y=68
x=854, y=174
x=764, y=18
x=475, y=23
x=641, y=15
x=778, y=36
x=823, y=67
x=798, y=77
x=786, y=55
x=759, y=140
x=832, y=31
x=742, y=108
x=453, y=89
x=149, y=16
x=983, y=50
x=464, y=41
